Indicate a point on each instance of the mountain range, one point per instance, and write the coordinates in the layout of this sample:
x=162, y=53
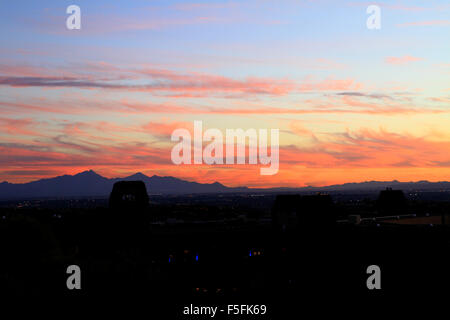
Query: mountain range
x=91, y=184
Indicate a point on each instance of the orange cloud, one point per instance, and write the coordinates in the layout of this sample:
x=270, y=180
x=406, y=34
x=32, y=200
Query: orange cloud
x=344, y=152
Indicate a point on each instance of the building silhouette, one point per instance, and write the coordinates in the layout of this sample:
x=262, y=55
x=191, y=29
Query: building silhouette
x=296, y=211
x=284, y=211
x=391, y=202
x=128, y=195
x=129, y=216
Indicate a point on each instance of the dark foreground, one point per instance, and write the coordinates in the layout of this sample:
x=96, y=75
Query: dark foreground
x=221, y=255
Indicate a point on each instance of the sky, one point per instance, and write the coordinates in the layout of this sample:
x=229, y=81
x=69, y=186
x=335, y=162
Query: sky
x=351, y=104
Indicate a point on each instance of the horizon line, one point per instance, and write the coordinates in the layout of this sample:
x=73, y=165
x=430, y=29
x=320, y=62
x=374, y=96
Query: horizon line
x=256, y=188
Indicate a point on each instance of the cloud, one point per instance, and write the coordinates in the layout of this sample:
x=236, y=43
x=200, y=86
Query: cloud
x=106, y=22
x=297, y=128
x=204, y=85
x=30, y=173
x=18, y=126
x=331, y=85
x=165, y=129
x=401, y=60
x=442, y=23
x=49, y=155
x=440, y=99
x=441, y=163
x=55, y=82
x=365, y=95
x=398, y=7
x=327, y=154
x=163, y=82
x=369, y=149
x=7, y=107
x=205, y=6
x=348, y=103
x=23, y=146
x=405, y=8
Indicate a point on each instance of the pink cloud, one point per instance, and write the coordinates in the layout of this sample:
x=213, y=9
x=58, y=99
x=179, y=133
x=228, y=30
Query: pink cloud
x=165, y=129
x=163, y=82
x=18, y=126
x=401, y=60
x=399, y=7
x=208, y=6
x=331, y=85
x=425, y=23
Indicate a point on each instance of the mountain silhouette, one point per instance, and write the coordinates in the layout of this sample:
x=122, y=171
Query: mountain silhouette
x=91, y=184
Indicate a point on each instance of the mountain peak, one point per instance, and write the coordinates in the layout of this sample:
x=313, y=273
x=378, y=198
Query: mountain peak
x=138, y=176
x=87, y=173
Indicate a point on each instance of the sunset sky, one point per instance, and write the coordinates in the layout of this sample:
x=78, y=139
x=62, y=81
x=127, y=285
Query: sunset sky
x=351, y=104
